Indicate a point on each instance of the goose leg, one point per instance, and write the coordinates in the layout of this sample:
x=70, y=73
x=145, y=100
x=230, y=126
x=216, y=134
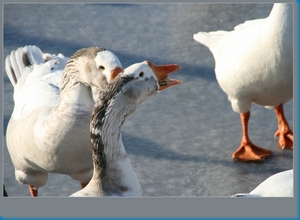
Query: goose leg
x=33, y=191
x=248, y=151
x=286, y=137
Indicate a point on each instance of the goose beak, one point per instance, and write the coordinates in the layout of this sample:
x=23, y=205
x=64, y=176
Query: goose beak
x=161, y=72
x=115, y=72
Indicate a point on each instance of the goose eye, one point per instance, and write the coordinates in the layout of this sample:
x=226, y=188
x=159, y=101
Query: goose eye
x=101, y=67
x=141, y=74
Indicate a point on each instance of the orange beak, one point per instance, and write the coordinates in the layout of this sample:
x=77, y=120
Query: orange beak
x=115, y=72
x=162, y=72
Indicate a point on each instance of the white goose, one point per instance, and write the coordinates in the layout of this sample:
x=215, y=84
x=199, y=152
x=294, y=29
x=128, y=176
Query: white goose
x=48, y=131
x=113, y=173
x=254, y=63
x=278, y=185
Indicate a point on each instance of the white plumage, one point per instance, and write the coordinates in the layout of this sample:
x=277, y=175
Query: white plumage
x=54, y=96
x=254, y=63
x=278, y=185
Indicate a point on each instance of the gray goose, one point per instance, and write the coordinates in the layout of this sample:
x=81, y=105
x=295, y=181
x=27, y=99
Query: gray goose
x=113, y=173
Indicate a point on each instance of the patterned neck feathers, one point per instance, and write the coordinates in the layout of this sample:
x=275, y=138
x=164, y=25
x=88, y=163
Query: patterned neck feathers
x=108, y=151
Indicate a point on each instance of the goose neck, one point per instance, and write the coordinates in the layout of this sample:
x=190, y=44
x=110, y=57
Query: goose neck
x=74, y=94
x=112, y=168
x=281, y=17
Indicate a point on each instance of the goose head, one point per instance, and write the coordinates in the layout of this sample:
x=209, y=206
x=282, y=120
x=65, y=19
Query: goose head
x=146, y=79
x=94, y=67
x=108, y=63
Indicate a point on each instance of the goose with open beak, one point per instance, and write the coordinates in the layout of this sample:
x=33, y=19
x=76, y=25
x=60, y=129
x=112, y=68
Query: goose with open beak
x=113, y=173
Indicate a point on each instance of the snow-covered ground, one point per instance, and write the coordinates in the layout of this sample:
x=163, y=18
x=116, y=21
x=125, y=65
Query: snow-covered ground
x=179, y=142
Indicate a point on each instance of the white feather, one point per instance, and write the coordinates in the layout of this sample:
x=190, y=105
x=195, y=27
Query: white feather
x=49, y=127
x=278, y=185
x=254, y=62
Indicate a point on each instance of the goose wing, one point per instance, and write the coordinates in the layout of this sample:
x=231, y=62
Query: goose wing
x=35, y=77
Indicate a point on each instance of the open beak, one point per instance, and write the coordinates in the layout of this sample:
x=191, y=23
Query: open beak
x=115, y=72
x=162, y=71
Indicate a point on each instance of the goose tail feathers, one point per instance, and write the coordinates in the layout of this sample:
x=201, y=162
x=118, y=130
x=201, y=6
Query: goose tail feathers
x=20, y=61
x=209, y=39
x=202, y=38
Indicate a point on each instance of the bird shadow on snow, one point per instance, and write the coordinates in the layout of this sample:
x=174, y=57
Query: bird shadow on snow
x=67, y=48
x=143, y=147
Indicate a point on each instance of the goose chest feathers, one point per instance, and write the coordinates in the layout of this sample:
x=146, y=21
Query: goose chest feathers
x=113, y=173
x=48, y=131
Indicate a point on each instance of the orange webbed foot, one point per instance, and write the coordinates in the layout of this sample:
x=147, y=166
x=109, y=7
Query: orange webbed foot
x=286, y=139
x=250, y=152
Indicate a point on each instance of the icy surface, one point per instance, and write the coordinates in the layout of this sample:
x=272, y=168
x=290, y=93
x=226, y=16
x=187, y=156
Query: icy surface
x=179, y=142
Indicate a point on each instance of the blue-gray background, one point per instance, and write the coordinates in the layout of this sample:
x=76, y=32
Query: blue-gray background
x=179, y=142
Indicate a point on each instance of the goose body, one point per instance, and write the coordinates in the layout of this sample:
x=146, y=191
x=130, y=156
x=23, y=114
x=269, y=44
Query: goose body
x=278, y=185
x=48, y=131
x=113, y=174
x=254, y=63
